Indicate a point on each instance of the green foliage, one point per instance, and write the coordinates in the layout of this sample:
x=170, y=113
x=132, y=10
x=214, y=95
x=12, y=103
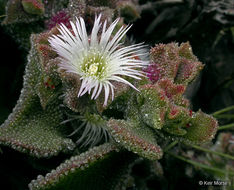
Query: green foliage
x=35, y=7
x=136, y=138
x=176, y=62
x=99, y=168
x=16, y=13
x=203, y=128
x=30, y=128
x=35, y=131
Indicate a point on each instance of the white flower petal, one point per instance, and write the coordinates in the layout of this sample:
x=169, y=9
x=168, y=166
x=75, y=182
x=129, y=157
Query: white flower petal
x=98, y=62
x=107, y=34
x=94, y=33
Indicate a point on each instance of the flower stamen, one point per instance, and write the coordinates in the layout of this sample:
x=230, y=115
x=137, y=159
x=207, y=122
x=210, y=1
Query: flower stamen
x=94, y=65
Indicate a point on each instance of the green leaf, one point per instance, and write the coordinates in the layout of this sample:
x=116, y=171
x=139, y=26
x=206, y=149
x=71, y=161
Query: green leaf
x=35, y=7
x=16, y=14
x=175, y=62
x=135, y=137
x=100, y=168
x=35, y=131
x=152, y=106
x=200, y=128
x=30, y=128
x=203, y=128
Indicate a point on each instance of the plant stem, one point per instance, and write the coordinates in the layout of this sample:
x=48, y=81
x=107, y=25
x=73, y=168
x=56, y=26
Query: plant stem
x=201, y=165
x=229, y=126
x=225, y=116
x=223, y=110
x=171, y=145
x=213, y=152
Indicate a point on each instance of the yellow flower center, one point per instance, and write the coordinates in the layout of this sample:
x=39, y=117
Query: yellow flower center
x=93, y=69
x=94, y=65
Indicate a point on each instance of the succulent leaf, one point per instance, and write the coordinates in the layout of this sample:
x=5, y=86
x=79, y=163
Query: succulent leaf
x=165, y=57
x=35, y=7
x=187, y=71
x=98, y=168
x=35, y=130
x=49, y=83
x=152, y=105
x=15, y=13
x=202, y=128
x=30, y=128
x=197, y=129
x=162, y=106
x=174, y=62
x=135, y=137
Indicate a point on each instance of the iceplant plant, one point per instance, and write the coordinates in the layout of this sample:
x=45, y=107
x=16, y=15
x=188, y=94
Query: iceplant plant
x=98, y=59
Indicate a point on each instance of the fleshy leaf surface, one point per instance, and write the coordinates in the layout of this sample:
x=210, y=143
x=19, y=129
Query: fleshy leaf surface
x=175, y=62
x=202, y=128
x=135, y=137
x=98, y=168
x=15, y=13
x=31, y=128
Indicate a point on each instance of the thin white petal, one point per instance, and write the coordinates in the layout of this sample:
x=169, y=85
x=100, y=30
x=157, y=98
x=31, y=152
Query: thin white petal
x=107, y=91
x=94, y=33
x=99, y=90
x=74, y=46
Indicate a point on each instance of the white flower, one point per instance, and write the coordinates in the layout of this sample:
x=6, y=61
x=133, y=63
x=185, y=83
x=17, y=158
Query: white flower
x=98, y=59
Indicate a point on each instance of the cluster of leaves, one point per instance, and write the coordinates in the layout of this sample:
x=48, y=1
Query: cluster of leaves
x=139, y=124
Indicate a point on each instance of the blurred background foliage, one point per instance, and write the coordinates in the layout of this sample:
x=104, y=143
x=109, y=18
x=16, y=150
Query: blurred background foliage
x=209, y=27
